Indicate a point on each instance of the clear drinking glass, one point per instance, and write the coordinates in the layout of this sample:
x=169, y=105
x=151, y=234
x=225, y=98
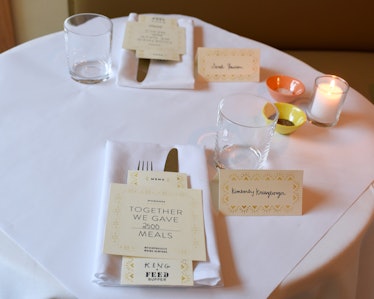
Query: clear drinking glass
x=245, y=126
x=88, y=41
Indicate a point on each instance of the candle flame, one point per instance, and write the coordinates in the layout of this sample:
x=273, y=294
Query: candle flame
x=331, y=89
x=332, y=84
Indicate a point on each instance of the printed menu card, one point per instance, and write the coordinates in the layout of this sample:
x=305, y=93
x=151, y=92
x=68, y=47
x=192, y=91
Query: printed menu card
x=156, y=223
x=155, y=37
x=260, y=192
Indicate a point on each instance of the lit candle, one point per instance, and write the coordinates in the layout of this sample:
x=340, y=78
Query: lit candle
x=326, y=102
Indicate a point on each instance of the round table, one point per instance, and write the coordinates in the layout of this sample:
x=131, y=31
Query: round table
x=54, y=131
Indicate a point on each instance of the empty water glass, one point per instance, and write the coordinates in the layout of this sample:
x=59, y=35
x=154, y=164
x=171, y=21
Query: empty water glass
x=88, y=41
x=245, y=127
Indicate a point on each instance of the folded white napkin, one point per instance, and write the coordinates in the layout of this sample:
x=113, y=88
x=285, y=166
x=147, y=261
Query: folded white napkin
x=161, y=74
x=119, y=158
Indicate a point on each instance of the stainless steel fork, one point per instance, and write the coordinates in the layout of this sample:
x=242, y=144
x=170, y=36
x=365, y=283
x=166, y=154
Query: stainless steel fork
x=145, y=165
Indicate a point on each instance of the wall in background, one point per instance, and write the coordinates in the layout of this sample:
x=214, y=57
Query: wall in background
x=6, y=26
x=35, y=18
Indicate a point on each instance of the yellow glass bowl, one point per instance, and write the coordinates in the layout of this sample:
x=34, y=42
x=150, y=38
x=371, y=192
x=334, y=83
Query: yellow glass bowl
x=290, y=118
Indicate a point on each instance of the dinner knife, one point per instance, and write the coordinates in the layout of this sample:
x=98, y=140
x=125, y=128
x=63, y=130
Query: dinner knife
x=171, y=163
x=143, y=65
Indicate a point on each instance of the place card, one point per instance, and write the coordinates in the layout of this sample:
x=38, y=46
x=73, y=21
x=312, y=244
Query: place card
x=156, y=272
x=155, y=222
x=226, y=64
x=260, y=192
x=155, y=37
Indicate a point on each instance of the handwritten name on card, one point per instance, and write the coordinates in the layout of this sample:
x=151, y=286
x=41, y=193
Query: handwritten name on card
x=260, y=192
x=226, y=64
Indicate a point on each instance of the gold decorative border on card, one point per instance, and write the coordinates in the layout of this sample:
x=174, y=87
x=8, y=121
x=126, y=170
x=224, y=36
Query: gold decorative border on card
x=145, y=178
x=128, y=270
x=229, y=205
x=134, y=272
x=249, y=62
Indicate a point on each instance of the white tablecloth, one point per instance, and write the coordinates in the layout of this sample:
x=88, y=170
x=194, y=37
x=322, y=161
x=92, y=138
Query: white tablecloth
x=53, y=133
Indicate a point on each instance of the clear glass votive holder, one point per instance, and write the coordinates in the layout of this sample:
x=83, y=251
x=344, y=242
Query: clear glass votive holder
x=88, y=44
x=245, y=126
x=327, y=101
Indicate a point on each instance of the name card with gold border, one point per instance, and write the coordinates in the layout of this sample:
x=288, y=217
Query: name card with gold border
x=260, y=192
x=228, y=64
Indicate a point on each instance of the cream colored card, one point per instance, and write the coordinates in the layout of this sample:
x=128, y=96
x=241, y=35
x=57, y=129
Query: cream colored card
x=155, y=38
x=141, y=271
x=160, y=178
x=260, y=192
x=158, y=20
x=160, y=272
x=146, y=221
x=226, y=64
